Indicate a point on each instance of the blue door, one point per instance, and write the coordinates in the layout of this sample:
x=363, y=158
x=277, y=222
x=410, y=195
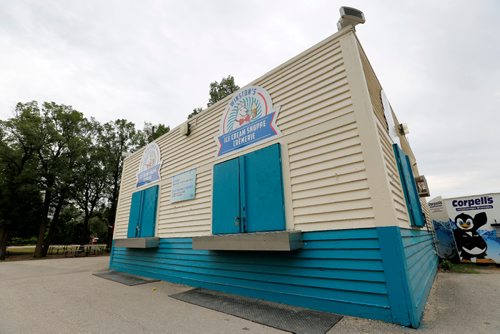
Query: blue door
x=248, y=193
x=135, y=215
x=149, y=203
x=142, y=219
x=226, y=198
x=409, y=187
x=263, y=190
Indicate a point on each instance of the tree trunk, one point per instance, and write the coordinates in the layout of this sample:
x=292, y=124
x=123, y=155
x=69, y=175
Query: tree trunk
x=52, y=228
x=41, y=238
x=3, y=241
x=111, y=221
x=48, y=239
x=85, y=237
x=43, y=222
x=112, y=211
x=109, y=242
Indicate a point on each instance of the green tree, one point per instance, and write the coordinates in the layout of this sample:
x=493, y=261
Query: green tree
x=195, y=112
x=217, y=92
x=60, y=173
x=91, y=179
x=151, y=132
x=62, y=140
x=20, y=199
x=99, y=227
x=118, y=138
x=69, y=227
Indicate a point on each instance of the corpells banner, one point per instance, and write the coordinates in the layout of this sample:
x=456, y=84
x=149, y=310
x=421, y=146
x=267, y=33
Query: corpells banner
x=446, y=247
x=248, y=119
x=149, y=168
x=473, y=223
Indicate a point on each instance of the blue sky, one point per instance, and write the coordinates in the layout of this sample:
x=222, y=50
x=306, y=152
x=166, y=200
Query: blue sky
x=438, y=62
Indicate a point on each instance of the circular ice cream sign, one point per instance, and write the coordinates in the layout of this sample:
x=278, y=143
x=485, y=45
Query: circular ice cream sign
x=249, y=118
x=149, y=168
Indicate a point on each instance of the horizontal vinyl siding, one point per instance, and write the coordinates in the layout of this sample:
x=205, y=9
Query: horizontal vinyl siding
x=328, y=178
x=421, y=263
x=312, y=92
x=391, y=169
x=336, y=271
x=427, y=212
x=127, y=187
x=187, y=218
x=395, y=186
x=374, y=89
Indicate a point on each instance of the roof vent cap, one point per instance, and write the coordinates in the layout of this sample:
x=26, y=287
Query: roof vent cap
x=350, y=17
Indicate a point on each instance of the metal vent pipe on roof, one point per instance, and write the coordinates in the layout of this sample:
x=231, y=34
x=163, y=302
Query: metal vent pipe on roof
x=350, y=17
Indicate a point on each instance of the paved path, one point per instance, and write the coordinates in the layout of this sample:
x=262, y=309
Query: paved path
x=458, y=303
x=62, y=296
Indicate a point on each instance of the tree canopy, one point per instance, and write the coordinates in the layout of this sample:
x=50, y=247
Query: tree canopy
x=218, y=91
x=60, y=174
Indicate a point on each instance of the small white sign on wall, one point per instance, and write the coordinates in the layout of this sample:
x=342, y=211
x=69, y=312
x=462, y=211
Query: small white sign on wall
x=183, y=186
x=392, y=127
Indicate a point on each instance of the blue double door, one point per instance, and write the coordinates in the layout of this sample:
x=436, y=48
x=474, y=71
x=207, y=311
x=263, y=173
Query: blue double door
x=248, y=193
x=142, y=219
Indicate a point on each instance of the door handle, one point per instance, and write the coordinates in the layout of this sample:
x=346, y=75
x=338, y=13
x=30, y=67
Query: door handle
x=237, y=221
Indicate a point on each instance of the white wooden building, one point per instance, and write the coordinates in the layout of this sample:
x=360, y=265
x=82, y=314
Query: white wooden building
x=299, y=189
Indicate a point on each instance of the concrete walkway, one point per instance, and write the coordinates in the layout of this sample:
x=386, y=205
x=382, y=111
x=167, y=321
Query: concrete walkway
x=458, y=303
x=62, y=296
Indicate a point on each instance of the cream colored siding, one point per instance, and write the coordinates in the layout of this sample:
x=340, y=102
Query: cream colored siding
x=394, y=179
x=427, y=212
x=127, y=187
x=374, y=89
x=328, y=179
x=325, y=179
x=187, y=218
x=391, y=168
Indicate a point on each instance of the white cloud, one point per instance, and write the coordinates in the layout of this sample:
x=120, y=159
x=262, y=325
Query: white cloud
x=153, y=61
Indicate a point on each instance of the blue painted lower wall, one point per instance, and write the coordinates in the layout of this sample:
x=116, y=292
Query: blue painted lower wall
x=421, y=264
x=339, y=271
x=410, y=265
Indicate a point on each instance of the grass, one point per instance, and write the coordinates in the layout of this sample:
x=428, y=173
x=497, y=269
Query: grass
x=24, y=250
x=20, y=250
x=460, y=268
x=464, y=269
x=21, y=253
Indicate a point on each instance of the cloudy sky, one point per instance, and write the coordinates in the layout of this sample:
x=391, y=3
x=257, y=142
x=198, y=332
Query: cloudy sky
x=439, y=63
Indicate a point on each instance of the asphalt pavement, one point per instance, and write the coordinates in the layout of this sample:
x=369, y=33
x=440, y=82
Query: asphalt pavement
x=62, y=296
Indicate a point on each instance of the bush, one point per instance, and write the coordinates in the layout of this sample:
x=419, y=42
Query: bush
x=22, y=241
x=445, y=265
